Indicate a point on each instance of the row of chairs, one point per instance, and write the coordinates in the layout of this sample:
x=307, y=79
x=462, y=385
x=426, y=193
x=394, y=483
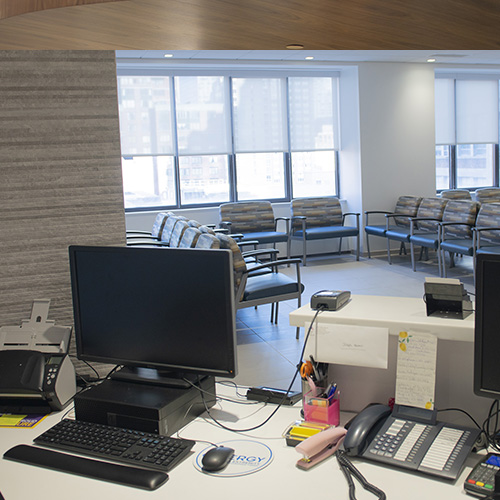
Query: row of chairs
x=255, y=282
x=310, y=219
x=453, y=226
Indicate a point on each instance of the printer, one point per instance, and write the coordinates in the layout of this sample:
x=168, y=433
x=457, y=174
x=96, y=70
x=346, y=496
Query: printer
x=36, y=373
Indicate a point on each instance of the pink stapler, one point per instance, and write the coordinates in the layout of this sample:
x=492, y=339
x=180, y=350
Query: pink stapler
x=319, y=446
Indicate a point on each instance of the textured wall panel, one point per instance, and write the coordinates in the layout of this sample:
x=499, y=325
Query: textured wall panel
x=60, y=173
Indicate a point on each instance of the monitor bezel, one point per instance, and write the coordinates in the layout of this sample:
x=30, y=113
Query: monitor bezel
x=481, y=261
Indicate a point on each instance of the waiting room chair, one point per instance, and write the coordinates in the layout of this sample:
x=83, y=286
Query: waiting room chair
x=269, y=288
x=456, y=194
x=455, y=232
x=207, y=240
x=429, y=212
x=189, y=237
x=254, y=220
x=321, y=218
x=406, y=207
x=487, y=231
x=458, y=218
x=154, y=234
x=487, y=195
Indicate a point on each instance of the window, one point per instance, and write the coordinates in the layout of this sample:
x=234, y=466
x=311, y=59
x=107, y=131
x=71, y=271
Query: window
x=467, y=117
x=208, y=139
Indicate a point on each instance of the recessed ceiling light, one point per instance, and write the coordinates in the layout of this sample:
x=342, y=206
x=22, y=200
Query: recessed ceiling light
x=168, y=55
x=295, y=46
x=309, y=58
x=431, y=59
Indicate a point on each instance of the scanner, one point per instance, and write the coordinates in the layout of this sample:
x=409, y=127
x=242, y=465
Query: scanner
x=36, y=373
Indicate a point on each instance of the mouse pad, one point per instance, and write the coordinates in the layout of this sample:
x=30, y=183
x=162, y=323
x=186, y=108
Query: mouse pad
x=249, y=457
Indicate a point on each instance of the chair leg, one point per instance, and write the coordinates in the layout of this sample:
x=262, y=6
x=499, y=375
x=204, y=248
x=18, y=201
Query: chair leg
x=389, y=250
x=357, y=247
x=340, y=246
x=276, y=314
x=297, y=333
x=304, y=250
x=412, y=252
x=368, y=246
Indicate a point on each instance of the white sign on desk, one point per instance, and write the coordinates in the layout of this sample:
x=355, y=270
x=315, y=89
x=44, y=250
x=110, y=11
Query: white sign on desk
x=349, y=345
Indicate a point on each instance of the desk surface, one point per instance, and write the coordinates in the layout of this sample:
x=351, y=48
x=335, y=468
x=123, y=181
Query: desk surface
x=395, y=313
x=20, y=482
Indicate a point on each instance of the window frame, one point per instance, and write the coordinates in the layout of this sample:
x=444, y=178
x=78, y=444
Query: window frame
x=140, y=70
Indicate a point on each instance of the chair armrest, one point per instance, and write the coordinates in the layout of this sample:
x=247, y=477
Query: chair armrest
x=478, y=230
x=413, y=220
x=484, y=228
x=287, y=223
x=263, y=251
x=356, y=214
x=273, y=263
x=137, y=231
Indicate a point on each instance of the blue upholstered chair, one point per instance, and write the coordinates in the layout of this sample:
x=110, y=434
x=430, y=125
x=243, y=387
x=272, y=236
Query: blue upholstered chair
x=487, y=229
x=455, y=231
x=253, y=289
x=397, y=219
x=321, y=218
x=429, y=212
x=254, y=220
x=458, y=218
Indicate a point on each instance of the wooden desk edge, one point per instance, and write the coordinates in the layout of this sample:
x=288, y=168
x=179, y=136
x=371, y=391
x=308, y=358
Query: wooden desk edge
x=9, y=8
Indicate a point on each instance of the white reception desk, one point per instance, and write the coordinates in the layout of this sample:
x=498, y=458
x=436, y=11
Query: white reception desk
x=454, y=373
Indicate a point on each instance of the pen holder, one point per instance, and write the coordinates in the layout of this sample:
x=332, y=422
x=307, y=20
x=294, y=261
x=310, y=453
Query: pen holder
x=323, y=410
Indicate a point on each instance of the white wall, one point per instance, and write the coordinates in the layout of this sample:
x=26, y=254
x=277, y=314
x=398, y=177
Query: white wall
x=387, y=136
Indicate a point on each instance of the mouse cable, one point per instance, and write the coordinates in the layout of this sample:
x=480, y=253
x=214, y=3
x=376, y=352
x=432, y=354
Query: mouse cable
x=284, y=396
x=349, y=470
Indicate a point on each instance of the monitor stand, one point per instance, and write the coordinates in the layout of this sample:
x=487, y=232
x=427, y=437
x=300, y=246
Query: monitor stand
x=152, y=376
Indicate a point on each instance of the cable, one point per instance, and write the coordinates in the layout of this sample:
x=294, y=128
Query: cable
x=349, y=470
x=284, y=396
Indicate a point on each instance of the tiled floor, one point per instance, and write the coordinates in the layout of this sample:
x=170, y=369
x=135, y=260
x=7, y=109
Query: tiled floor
x=268, y=353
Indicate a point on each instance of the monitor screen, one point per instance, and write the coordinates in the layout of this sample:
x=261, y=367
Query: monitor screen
x=487, y=327
x=155, y=308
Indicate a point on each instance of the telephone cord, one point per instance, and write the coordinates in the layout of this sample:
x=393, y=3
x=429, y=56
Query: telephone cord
x=349, y=470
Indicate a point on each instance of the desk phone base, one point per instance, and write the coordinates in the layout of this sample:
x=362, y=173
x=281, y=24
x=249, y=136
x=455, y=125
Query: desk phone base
x=436, y=449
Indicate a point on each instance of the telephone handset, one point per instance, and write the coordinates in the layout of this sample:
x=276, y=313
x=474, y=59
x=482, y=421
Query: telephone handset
x=363, y=428
x=411, y=438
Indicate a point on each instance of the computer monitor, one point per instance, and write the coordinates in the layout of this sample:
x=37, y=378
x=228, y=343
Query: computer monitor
x=162, y=313
x=487, y=327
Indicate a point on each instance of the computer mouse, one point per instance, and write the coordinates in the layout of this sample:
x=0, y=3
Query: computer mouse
x=217, y=459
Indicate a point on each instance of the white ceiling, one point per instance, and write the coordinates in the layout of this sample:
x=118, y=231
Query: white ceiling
x=457, y=57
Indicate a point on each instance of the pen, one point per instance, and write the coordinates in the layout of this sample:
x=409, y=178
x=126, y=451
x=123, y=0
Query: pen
x=331, y=392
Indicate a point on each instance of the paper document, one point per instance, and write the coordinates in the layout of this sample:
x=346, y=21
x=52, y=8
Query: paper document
x=349, y=345
x=416, y=370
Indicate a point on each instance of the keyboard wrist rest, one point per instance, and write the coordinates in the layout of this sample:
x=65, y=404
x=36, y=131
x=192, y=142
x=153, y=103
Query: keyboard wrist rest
x=95, y=469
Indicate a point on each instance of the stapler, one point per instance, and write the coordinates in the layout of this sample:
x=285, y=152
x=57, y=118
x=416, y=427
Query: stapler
x=320, y=446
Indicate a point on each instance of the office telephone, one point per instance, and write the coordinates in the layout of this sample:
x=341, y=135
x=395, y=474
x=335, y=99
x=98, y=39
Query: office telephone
x=410, y=438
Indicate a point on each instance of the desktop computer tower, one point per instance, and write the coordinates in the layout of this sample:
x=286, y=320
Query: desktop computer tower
x=144, y=407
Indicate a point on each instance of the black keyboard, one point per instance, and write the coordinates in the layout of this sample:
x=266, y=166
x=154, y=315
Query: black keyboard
x=138, y=448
